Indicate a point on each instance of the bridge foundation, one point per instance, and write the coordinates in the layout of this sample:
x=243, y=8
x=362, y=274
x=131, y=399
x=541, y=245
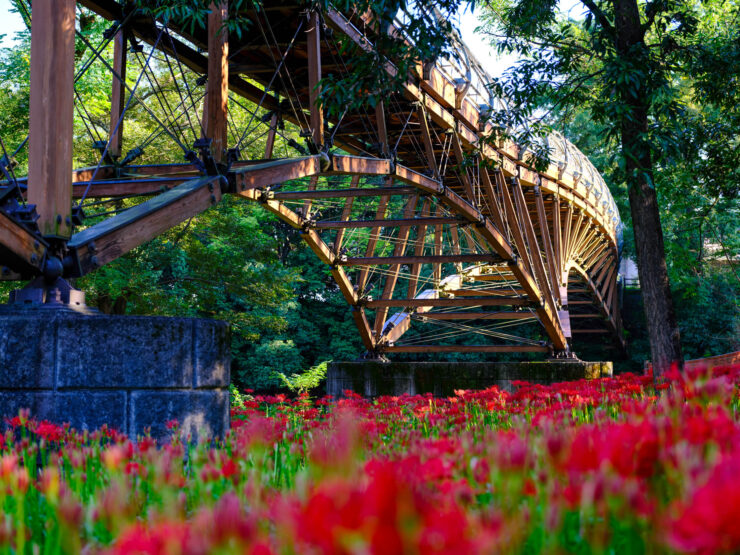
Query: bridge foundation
x=375, y=378
x=133, y=373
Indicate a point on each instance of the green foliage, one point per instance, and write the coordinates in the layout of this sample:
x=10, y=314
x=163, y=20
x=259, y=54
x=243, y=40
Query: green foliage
x=306, y=381
x=573, y=76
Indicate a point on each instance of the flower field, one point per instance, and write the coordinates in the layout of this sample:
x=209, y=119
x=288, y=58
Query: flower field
x=610, y=465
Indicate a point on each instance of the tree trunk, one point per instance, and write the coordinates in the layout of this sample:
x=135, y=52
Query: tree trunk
x=665, y=344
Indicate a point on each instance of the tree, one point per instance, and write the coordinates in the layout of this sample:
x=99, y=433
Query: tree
x=628, y=63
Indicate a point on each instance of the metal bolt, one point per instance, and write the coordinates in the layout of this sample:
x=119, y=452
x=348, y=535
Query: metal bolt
x=94, y=261
x=34, y=258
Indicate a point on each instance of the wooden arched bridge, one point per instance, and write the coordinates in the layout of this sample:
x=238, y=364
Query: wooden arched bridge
x=438, y=240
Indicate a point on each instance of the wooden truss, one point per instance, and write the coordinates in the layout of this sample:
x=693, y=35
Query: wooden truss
x=400, y=201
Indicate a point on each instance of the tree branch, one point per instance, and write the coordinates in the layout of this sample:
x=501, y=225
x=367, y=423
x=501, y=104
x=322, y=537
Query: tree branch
x=600, y=16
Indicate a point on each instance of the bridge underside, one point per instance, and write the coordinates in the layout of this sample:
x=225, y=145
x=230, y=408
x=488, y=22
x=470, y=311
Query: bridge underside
x=439, y=241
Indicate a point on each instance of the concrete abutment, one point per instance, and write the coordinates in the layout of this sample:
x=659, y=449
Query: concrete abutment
x=132, y=373
x=375, y=378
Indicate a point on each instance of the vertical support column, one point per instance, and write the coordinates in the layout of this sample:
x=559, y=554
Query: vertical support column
x=373, y=238
x=346, y=213
x=393, y=270
x=427, y=139
x=51, y=115
x=215, y=109
x=382, y=129
x=118, y=93
x=270, y=141
x=313, y=39
x=437, y=267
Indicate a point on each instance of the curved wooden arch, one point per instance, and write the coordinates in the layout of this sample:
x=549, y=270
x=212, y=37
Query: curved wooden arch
x=505, y=238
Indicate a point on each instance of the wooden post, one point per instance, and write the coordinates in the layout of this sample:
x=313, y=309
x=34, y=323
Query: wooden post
x=270, y=142
x=313, y=39
x=427, y=139
x=118, y=93
x=51, y=115
x=382, y=129
x=215, y=108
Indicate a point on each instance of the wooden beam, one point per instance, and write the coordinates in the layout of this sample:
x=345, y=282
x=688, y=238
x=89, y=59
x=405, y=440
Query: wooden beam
x=557, y=232
x=390, y=222
x=421, y=233
x=101, y=243
x=346, y=213
x=427, y=140
x=455, y=302
x=464, y=349
x=51, y=110
x=374, y=260
x=549, y=253
x=349, y=192
x=392, y=275
x=343, y=164
x=20, y=250
x=216, y=103
x=118, y=92
x=271, y=133
x=463, y=173
x=501, y=315
x=494, y=207
x=313, y=42
x=276, y=171
x=373, y=239
x=382, y=128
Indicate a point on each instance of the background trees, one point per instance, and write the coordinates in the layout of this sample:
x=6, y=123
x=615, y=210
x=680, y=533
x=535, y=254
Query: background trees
x=642, y=81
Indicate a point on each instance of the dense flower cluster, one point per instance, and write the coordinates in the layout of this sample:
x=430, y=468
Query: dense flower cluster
x=608, y=465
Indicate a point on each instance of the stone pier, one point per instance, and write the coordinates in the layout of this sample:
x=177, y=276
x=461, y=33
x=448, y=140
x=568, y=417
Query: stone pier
x=375, y=378
x=133, y=373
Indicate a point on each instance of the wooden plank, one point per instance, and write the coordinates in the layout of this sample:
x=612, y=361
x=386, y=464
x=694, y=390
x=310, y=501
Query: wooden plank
x=313, y=45
x=216, y=102
x=118, y=93
x=463, y=349
x=114, y=237
x=51, y=108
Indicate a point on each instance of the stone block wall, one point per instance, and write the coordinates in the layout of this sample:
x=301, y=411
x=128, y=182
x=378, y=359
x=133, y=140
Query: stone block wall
x=132, y=373
x=372, y=379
